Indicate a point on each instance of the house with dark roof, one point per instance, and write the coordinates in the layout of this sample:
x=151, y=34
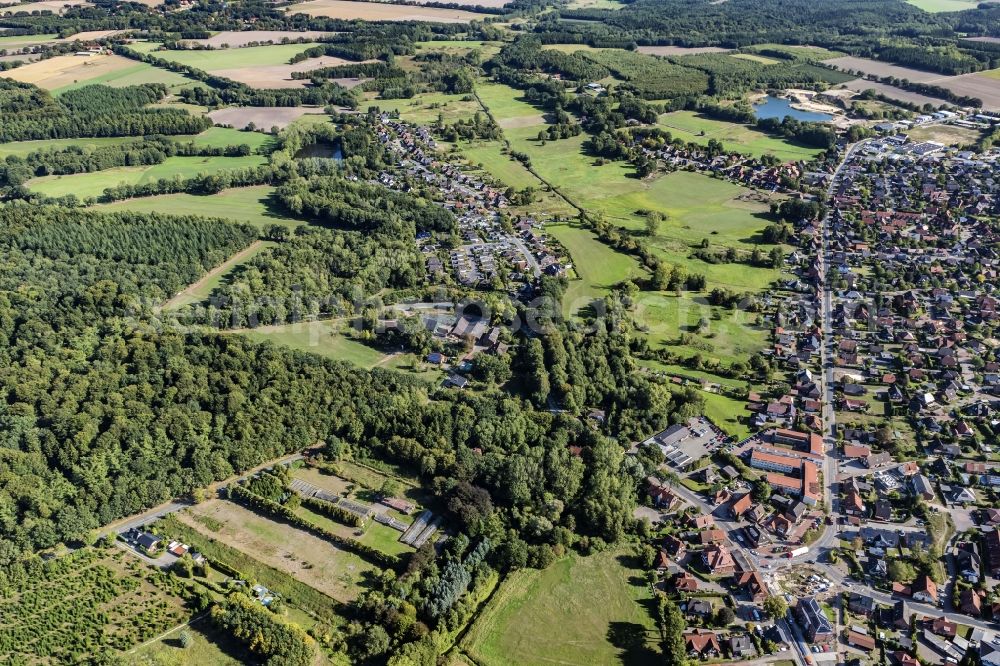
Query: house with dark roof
x=814, y=622
x=701, y=644
x=741, y=647
x=861, y=604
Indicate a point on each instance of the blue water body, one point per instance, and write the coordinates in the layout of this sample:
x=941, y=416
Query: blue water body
x=779, y=107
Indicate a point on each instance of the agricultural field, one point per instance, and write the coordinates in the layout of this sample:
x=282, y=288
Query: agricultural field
x=49, y=617
x=981, y=84
x=67, y=71
x=219, y=59
x=134, y=74
x=53, y=6
x=893, y=92
x=693, y=127
x=879, y=68
x=264, y=117
x=935, y=6
x=378, y=11
x=679, y=50
x=240, y=38
x=601, y=607
x=16, y=42
x=212, y=137
x=280, y=76
x=307, y=558
x=85, y=185
x=752, y=57
x=798, y=51
x=250, y=205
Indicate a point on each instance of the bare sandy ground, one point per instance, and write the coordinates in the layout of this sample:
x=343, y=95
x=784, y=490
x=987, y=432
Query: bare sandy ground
x=239, y=38
x=378, y=11
x=54, y=6
x=66, y=69
x=279, y=76
x=680, y=50
x=262, y=116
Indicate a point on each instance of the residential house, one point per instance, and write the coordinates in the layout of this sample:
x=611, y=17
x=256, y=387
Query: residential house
x=924, y=590
x=815, y=625
x=861, y=604
x=741, y=647
x=702, y=644
x=718, y=560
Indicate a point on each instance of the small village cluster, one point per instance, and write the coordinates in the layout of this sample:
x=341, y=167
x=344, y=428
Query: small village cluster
x=488, y=252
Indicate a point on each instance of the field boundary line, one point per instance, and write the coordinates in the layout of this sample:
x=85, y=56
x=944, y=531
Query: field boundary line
x=169, y=631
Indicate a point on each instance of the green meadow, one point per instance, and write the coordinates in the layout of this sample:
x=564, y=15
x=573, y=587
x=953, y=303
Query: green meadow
x=251, y=205
x=692, y=127
x=600, y=610
x=597, y=266
x=426, y=108
x=212, y=137
x=93, y=184
x=215, y=59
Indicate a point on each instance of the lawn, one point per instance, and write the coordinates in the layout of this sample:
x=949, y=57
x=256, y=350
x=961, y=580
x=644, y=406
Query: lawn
x=694, y=127
x=215, y=59
x=93, y=184
x=251, y=205
x=580, y=610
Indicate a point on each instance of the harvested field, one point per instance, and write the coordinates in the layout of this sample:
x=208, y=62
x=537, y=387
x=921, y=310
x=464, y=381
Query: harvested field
x=878, y=68
x=53, y=6
x=988, y=40
x=680, y=50
x=68, y=69
x=261, y=116
x=241, y=38
x=280, y=76
x=984, y=85
x=377, y=11
x=478, y=3
x=314, y=561
x=892, y=92
x=28, y=57
x=91, y=35
x=17, y=42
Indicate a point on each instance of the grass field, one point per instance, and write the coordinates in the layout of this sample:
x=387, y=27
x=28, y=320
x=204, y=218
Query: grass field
x=245, y=204
x=208, y=648
x=935, y=6
x=729, y=335
x=949, y=135
x=308, y=558
x=319, y=337
x=251, y=56
x=425, y=108
x=723, y=411
x=597, y=266
x=93, y=184
x=755, y=58
x=591, y=610
x=693, y=127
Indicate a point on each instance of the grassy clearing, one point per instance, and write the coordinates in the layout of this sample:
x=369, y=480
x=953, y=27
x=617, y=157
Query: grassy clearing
x=799, y=51
x=319, y=337
x=949, y=135
x=220, y=137
x=693, y=127
x=489, y=155
x=213, y=136
x=600, y=607
x=208, y=648
x=93, y=184
x=251, y=205
x=216, y=59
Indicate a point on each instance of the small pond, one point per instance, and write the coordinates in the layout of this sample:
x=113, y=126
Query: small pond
x=321, y=149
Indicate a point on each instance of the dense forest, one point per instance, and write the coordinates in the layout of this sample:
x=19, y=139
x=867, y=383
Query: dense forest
x=91, y=111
